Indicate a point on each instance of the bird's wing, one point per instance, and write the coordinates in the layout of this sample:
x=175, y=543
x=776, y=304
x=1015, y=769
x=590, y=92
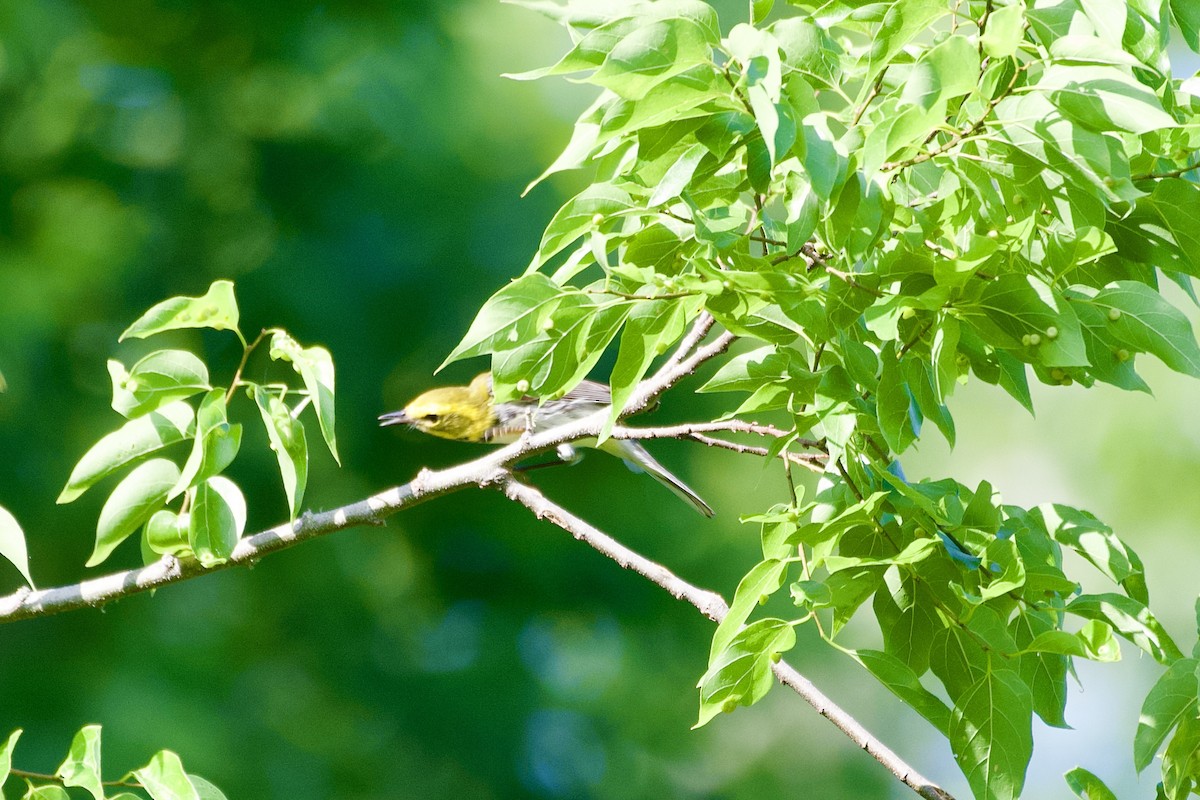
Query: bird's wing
x=590, y=391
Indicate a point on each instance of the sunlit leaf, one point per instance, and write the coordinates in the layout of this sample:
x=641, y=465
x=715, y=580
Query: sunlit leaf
x=139, y=494
x=12, y=544
x=215, y=309
x=82, y=767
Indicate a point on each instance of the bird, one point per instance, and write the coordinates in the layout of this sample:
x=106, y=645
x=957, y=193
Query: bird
x=470, y=414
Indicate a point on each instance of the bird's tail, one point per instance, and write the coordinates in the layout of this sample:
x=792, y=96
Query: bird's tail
x=639, y=458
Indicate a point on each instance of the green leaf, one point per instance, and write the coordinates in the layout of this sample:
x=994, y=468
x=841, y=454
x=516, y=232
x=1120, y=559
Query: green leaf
x=205, y=789
x=167, y=533
x=6, y=751
x=1180, y=759
x=1095, y=641
x=1022, y=305
x=957, y=660
x=759, y=10
x=903, y=682
x=1187, y=16
x=1140, y=317
x=580, y=214
x=515, y=313
x=1096, y=542
x=1131, y=620
x=1104, y=98
x=1170, y=701
x=1044, y=673
x=215, y=445
x=893, y=403
x=164, y=778
x=138, y=437
x=740, y=674
x=49, y=791
x=1161, y=229
x=160, y=378
x=649, y=331
x=763, y=580
x=1005, y=29
x=991, y=734
x=903, y=21
x=217, y=521
x=1001, y=559
x=82, y=767
x=315, y=367
x=12, y=545
x=571, y=342
x=678, y=175
x=286, y=435
x=139, y=494
x=216, y=309
x=1087, y=786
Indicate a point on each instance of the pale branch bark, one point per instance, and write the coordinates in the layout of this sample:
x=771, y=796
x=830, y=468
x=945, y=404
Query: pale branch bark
x=688, y=344
x=713, y=606
x=814, y=462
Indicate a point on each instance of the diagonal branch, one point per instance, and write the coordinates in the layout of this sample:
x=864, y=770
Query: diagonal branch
x=713, y=606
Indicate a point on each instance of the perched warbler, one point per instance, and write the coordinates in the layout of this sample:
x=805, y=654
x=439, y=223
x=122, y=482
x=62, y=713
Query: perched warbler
x=469, y=414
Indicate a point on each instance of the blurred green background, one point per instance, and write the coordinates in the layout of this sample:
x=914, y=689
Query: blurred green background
x=356, y=168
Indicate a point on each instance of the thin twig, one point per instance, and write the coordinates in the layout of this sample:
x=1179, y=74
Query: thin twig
x=713, y=606
x=810, y=461
x=959, y=136
x=1172, y=173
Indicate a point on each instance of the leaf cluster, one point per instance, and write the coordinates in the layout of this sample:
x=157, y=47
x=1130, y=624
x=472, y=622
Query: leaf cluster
x=170, y=401
x=163, y=778
x=886, y=200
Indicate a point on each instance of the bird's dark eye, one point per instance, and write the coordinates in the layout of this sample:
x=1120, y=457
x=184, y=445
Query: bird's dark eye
x=431, y=417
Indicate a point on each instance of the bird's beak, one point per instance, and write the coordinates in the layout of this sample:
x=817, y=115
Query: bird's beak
x=395, y=418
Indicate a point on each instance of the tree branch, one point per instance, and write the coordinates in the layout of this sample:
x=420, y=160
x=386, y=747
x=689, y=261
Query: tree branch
x=713, y=606
x=26, y=603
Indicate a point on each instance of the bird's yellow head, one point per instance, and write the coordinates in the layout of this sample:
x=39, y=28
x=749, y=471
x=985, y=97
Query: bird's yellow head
x=462, y=413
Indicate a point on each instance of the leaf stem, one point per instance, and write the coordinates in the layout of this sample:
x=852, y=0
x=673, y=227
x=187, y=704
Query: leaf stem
x=247, y=349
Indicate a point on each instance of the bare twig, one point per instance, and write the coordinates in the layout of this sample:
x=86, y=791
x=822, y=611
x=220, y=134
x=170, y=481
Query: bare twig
x=713, y=606
x=814, y=462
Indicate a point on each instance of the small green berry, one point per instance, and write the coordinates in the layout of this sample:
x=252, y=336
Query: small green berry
x=1123, y=355
x=730, y=705
x=1114, y=314
x=1052, y=332
x=908, y=313
x=775, y=657
x=522, y=386
x=1057, y=374
x=1034, y=339
x=993, y=234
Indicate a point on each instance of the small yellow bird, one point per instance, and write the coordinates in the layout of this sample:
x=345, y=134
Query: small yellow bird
x=469, y=414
